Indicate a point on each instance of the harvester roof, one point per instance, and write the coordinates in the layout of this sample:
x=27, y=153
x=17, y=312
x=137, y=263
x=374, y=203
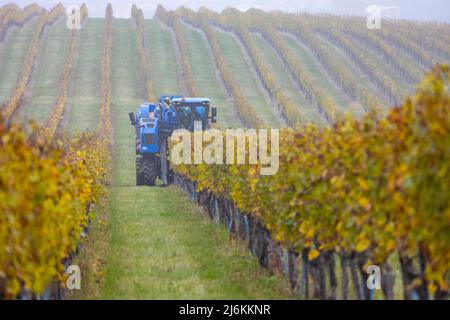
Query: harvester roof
x=191, y=101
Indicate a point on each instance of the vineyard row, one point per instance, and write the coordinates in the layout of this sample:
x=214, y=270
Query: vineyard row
x=364, y=189
x=46, y=19
x=48, y=187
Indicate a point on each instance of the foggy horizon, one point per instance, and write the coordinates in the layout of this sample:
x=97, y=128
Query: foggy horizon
x=433, y=10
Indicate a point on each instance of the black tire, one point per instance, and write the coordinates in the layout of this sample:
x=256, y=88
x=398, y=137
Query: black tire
x=139, y=172
x=150, y=172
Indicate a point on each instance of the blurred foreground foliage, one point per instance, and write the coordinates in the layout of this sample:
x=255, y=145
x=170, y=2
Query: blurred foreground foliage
x=46, y=190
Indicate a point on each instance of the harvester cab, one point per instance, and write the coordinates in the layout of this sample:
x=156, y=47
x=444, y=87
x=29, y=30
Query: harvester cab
x=155, y=123
x=190, y=110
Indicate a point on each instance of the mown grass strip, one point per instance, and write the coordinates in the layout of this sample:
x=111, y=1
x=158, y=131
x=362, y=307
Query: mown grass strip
x=84, y=97
x=161, y=54
x=283, y=80
x=147, y=73
x=244, y=76
x=205, y=75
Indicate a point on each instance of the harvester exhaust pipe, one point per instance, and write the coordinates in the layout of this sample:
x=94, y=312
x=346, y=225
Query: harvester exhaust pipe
x=132, y=118
x=213, y=115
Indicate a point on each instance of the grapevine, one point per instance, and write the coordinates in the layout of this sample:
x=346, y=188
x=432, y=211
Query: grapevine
x=367, y=187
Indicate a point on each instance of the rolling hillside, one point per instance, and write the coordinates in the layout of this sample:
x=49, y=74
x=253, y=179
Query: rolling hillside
x=260, y=70
x=357, y=55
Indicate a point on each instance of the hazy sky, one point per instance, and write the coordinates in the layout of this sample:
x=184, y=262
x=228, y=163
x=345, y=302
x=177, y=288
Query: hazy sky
x=436, y=10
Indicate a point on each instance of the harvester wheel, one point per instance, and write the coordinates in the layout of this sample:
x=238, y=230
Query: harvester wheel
x=150, y=172
x=139, y=172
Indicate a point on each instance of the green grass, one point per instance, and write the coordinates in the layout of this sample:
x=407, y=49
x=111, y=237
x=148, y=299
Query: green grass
x=245, y=77
x=161, y=54
x=127, y=84
x=162, y=246
x=44, y=87
x=84, y=95
x=13, y=52
x=317, y=73
x=207, y=79
x=283, y=80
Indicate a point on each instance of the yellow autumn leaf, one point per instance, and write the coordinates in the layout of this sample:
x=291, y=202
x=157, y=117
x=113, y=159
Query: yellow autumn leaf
x=432, y=288
x=391, y=245
x=313, y=254
x=364, y=203
x=362, y=245
x=362, y=184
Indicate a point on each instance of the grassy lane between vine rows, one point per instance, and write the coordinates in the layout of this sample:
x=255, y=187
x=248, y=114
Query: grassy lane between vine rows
x=284, y=81
x=13, y=52
x=317, y=73
x=161, y=245
x=84, y=94
x=44, y=86
x=246, y=77
x=162, y=57
x=207, y=79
